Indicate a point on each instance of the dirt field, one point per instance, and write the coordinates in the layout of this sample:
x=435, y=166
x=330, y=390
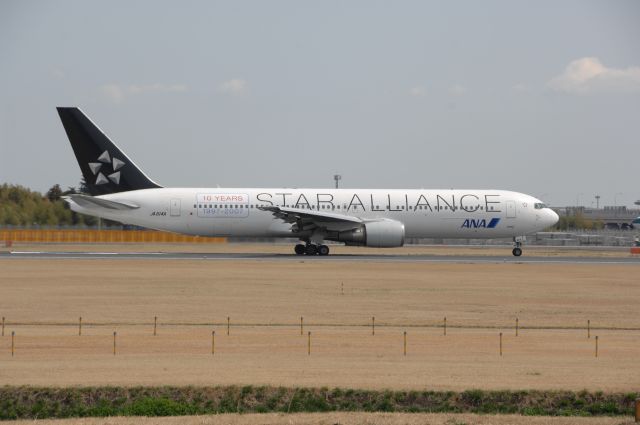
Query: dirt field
x=341, y=419
x=188, y=296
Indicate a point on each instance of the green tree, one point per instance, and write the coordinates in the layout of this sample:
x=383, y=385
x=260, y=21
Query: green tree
x=54, y=193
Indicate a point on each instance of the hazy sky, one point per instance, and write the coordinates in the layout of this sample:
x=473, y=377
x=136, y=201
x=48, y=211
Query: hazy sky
x=541, y=97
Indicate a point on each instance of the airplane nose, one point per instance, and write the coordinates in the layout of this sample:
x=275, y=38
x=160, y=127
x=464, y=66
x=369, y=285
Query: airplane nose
x=552, y=217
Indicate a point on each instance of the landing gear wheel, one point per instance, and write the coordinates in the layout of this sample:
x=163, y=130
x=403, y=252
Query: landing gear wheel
x=300, y=249
x=517, y=252
x=311, y=250
x=323, y=250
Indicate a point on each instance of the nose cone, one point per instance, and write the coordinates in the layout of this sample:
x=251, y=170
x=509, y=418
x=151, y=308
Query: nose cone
x=551, y=217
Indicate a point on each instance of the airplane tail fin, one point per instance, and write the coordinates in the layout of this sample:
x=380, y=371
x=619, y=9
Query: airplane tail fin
x=106, y=169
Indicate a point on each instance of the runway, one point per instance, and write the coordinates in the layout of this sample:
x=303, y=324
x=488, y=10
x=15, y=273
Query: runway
x=402, y=258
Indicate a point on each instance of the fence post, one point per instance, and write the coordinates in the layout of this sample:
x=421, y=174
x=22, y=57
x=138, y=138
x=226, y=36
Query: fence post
x=228, y=324
x=80, y=326
x=588, y=328
x=301, y=326
x=309, y=343
x=405, y=343
x=516, y=326
x=445, y=326
x=373, y=325
x=213, y=342
x=2, y=325
x=155, y=325
x=13, y=336
x=596, y=345
x=638, y=410
x=500, y=343
x=114, y=342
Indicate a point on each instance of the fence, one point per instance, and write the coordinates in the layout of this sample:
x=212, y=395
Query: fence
x=100, y=236
x=330, y=332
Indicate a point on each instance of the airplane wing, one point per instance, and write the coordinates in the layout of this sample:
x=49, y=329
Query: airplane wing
x=91, y=202
x=305, y=219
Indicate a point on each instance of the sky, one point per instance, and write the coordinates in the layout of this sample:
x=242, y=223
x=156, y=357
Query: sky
x=540, y=97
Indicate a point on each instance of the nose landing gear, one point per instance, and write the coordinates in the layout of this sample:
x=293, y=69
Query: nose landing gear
x=517, y=241
x=311, y=249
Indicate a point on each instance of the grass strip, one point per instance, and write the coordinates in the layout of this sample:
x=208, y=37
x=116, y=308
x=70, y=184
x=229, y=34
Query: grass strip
x=27, y=402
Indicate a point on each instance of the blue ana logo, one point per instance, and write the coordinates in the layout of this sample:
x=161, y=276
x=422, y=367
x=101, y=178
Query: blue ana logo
x=471, y=223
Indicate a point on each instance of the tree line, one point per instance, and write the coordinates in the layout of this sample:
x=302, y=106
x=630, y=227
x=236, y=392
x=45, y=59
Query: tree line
x=20, y=206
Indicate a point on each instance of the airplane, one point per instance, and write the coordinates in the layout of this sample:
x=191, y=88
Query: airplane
x=120, y=191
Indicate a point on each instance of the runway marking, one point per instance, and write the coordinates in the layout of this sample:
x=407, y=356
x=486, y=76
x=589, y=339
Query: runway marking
x=284, y=257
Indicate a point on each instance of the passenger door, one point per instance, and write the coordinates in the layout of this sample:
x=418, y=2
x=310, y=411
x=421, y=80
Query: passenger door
x=175, y=208
x=511, y=209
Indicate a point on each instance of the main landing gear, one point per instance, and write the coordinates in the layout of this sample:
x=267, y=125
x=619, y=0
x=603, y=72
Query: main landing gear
x=311, y=249
x=517, y=250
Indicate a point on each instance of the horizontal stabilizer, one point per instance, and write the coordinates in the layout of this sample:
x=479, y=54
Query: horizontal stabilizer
x=91, y=202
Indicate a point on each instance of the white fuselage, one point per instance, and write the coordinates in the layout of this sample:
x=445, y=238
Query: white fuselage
x=425, y=213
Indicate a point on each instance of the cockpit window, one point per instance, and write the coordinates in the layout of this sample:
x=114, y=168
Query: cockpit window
x=539, y=205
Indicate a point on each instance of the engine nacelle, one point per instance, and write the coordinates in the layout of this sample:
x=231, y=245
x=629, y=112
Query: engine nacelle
x=377, y=234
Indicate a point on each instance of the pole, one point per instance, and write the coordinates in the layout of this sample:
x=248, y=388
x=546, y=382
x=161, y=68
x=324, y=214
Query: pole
x=213, y=342
x=373, y=325
x=228, y=324
x=638, y=410
x=2, y=325
x=516, y=326
x=588, y=328
x=596, y=345
x=445, y=326
x=405, y=343
x=301, y=328
x=309, y=343
x=500, y=343
x=155, y=325
x=114, y=343
x=13, y=336
x=80, y=326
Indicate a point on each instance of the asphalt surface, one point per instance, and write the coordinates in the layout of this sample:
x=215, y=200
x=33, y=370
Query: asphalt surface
x=474, y=259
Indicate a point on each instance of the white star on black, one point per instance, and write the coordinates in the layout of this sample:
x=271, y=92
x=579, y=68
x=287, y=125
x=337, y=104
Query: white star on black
x=105, y=160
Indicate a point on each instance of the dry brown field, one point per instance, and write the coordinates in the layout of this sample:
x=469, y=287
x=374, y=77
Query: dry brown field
x=42, y=300
x=351, y=418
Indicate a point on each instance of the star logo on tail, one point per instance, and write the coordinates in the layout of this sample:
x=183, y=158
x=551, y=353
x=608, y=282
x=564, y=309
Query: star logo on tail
x=99, y=169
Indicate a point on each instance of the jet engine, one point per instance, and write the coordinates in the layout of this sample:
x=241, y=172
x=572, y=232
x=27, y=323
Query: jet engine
x=378, y=234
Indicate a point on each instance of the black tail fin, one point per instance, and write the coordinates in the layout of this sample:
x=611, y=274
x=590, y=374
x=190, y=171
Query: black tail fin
x=106, y=169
